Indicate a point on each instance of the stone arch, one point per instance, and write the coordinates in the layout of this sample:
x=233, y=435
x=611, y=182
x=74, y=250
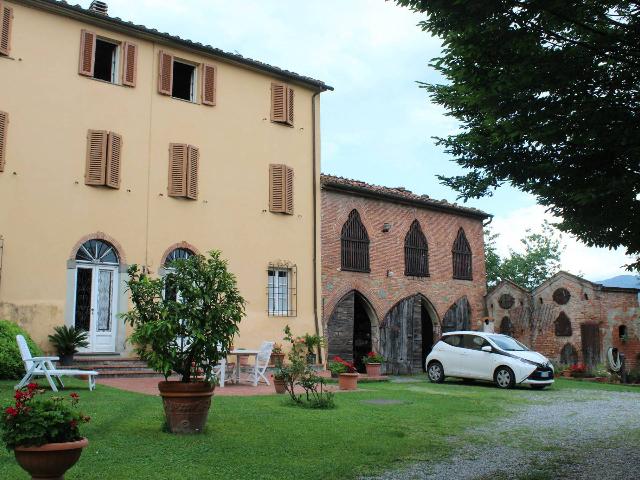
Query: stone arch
x=99, y=236
x=458, y=316
x=344, y=334
x=407, y=334
x=568, y=355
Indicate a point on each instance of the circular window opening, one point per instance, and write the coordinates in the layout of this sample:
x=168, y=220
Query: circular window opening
x=561, y=296
x=506, y=301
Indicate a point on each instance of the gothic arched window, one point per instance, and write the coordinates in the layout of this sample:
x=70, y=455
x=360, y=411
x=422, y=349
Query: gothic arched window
x=355, y=245
x=461, y=253
x=416, y=252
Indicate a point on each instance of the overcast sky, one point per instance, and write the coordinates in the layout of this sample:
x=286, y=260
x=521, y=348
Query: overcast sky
x=377, y=125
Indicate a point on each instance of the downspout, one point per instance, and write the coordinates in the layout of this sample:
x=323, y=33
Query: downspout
x=315, y=220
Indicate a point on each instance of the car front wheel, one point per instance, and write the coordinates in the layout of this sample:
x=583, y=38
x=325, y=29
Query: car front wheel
x=504, y=377
x=435, y=372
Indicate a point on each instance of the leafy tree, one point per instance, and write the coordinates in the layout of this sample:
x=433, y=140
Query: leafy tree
x=548, y=95
x=190, y=330
x=539, y=259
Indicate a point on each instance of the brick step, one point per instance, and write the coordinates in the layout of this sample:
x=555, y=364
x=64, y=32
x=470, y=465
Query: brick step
x=118, y=368
x=129, y=374
x=107, y=361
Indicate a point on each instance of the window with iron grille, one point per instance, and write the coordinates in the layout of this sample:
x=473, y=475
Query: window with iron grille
x=416, y=252
x=281, y=290
x=355, y=245
x=461, y=254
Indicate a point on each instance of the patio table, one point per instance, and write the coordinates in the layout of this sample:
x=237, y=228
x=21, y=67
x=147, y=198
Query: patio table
x=239, y=352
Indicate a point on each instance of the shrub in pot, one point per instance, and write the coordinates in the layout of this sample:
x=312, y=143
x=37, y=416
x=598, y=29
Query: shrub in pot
x=312, y=342
x=186, y=334
x=373, y=363
x=347, y=380
x=66, y=341
x=11, y=365
x=277, y=355
x=44, y=432
x=336, y=368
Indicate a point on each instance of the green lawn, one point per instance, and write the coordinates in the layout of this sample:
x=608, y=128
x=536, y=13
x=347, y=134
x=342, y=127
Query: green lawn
x=263, y=438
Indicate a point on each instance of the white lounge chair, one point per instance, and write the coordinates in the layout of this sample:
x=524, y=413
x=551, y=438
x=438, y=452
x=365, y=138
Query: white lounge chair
x=256, y=372
x=44, y=367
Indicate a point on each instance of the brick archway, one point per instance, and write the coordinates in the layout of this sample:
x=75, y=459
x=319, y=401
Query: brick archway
x=99, y=236
x=183, y=244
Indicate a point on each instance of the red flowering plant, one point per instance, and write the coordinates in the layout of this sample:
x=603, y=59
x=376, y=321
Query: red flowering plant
x=373, y=357
x=32, y=422
x=339, y=365
x=578, y=368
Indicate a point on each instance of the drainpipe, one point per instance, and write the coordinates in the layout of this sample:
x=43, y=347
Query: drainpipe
x=315, y=220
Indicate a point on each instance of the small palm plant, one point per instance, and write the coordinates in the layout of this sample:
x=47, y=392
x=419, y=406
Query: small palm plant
x=67, y=340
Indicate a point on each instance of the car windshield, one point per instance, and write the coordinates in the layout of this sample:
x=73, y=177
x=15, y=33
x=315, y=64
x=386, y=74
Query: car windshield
x=507, y=343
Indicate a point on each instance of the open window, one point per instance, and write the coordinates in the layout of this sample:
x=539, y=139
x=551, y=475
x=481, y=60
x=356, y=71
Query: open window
x=105, y=65
x=184, y=81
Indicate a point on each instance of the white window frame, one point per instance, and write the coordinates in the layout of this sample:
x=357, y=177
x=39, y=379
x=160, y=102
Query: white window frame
x=194, y=81
x=278, y=298
x=115, y=60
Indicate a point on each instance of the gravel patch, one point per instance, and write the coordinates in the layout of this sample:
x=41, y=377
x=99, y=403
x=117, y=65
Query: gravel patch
x=566, y=434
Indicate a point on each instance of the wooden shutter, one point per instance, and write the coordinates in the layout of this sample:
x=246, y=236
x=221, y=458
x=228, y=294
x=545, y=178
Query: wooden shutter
x=87, y=53
x=4, y=124
x=165, y=74
x=209, y=80
x=96, y=157
x=178, y=170
x=290, y=99
x=193, y=154
x=130, y=64
x=6, y=18
x=288, y=190
x=114, y=160
x=277, y=174
x=278, y=102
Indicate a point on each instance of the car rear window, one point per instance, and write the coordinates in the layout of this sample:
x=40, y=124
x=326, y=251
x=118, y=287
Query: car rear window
x=453, y=340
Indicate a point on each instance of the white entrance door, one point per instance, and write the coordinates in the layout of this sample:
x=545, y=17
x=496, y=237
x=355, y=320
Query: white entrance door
x=96, y=305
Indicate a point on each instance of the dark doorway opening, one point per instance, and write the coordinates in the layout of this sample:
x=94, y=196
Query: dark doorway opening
x=361, y=332
x=590, y=344
x=427, y=333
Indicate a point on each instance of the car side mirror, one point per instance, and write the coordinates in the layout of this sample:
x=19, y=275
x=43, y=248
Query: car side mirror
x=487, y=348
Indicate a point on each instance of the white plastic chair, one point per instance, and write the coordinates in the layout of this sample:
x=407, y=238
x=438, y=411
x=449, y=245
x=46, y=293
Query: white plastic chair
x=221, y=370
x=256, y=372
x=44, y=367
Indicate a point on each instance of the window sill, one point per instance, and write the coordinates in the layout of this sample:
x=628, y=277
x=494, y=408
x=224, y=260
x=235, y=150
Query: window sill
x=342, y=269
x=193, y=102
x=105, y=81
x=283, y=314
x=284, y=124
x=465, y=279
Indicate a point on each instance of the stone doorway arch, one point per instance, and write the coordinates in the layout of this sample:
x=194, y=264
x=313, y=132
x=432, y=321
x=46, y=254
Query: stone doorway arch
x=352, y=329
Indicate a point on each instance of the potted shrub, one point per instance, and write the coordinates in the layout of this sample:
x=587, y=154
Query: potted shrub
x=187, y=335
x=373, y=362
x=44, y=432
x=336, y=368
x=311, y=342
x=66, y=341
x=347, y=380
x=277, y=355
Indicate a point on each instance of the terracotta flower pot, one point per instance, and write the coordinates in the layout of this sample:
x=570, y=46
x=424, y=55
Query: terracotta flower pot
x=51, y=460
x=186, y=405
x=277, y=359
x=348, y=381
x=373, y=369
x=279, y=385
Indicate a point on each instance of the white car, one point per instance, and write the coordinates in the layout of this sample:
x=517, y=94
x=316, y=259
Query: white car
x=487, y=356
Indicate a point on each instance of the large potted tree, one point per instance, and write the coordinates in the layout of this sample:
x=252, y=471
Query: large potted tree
x=184, y=323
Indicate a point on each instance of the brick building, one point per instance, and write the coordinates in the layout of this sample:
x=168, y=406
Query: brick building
x=569, y=319
x=398, y=269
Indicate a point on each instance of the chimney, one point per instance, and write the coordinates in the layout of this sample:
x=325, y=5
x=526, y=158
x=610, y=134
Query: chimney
x=98, y=7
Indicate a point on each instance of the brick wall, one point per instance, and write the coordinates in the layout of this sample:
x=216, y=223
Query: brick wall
x=589, y=303
x=386, y=284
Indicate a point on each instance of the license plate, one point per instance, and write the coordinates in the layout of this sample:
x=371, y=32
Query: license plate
x=544, y=374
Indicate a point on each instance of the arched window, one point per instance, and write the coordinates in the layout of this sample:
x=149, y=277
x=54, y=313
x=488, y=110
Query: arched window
x=563, y=325
x=416, y=252
x=97, y=251
x=568, y=355
x=506, y=327
x=461, y=253
x=355, y=245
x=177, y=254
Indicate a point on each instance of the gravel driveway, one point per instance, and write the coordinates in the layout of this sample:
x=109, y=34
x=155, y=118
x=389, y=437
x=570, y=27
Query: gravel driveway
x=563, y=434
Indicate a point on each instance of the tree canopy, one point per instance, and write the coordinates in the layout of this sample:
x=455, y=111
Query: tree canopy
x=548, y=96
x=538, y=260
